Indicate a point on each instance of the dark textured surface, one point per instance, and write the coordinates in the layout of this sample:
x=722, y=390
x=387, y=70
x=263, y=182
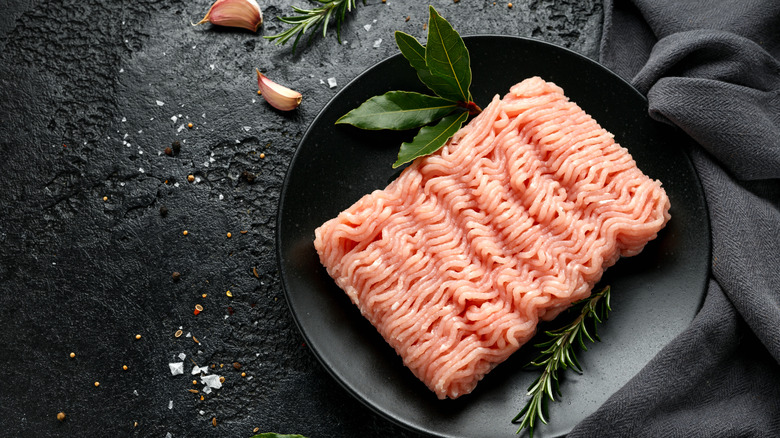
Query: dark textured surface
x=79, y=85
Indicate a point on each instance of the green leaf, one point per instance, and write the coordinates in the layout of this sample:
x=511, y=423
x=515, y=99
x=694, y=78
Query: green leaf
x=412, y=50
x=276, y=435
x=447, y=59
x=430, y=138
x=398, y=110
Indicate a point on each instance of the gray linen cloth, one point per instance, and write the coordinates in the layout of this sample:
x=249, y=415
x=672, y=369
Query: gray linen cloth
x=711, y=69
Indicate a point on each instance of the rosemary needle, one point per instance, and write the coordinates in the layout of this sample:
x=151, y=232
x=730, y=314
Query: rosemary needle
x=312, y=19
x=558, y=354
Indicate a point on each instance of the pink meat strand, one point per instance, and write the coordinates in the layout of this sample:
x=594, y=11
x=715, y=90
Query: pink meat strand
x=513, y=220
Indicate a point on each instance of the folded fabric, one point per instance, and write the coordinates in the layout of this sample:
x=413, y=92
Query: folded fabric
x=713, y=71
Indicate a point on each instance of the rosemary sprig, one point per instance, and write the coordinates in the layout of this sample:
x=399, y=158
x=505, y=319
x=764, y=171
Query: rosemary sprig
x=558, y=354
x=312, y=19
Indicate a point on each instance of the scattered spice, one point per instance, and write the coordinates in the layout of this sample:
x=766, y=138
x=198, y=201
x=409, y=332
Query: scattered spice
x=194, y=391
x=196, y=340
x=138, y=336
x=408, y=18
x=185, y=232
x=214, y=421
x=243, y=374
x=163, y=211
x=262, y=155
x=244, y=231
x=189, y=125
x=198, y=307
x=105, y=198
x=72, y=355
x=254, y=271
x=97, y=384
x=194, y=382
x=190, y=178
x=176, y=276
x=229, y=294
x=61, y=416
x=229, y=235
x=176, y=145
x=260, y=92
x=221, y=379
x=509, y=5
x=248, y=176
x=230, y=311
x=178, y=333
x=221, y=365
x=204, y=295
x=213, y=365
x=168, y=151
x=202, y=398
x=236, y=365
x=124, y=367
x=135, y=424
x=255, y=430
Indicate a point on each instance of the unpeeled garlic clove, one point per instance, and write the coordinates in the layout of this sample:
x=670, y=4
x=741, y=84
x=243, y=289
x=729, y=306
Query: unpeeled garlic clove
x=279, y=96
x=245, y=14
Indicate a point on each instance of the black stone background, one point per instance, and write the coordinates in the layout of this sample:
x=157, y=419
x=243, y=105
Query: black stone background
x=79, y=81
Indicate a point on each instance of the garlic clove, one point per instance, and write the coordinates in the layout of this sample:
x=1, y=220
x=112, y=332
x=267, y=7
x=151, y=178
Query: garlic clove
x=278, y=96
x=245, y=14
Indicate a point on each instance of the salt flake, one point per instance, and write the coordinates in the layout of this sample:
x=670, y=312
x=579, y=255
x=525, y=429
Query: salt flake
x=160, y=103
x=170, y=404
x=176, y=368
x=332, y=82
x=182, y=356
x=211, y=381
x=377, y=43
x=367, y=27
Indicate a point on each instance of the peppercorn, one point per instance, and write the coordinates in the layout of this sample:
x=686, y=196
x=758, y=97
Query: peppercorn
x=163, y=211
x=176, y=146
x=168, y=151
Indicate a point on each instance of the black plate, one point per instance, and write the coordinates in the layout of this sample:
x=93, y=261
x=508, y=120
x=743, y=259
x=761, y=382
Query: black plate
x=655, y=294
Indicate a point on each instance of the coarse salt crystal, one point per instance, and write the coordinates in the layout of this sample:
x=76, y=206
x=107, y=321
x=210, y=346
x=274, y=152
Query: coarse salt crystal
x=160, y=103
x=247, y=128
x=181, y=128
x=221, y=196
x=211, y=381
x=197, y=370
x=168, y=435
x=202, y=412
x=332, y=82
x=176, y=368
x=141, y=169
x=367, y=27
x=182, y=356
x=249, y=378
x=121, y=70
x=170, y=404
x=135, y=392
x=206, y=390
x=377, y=43
x=124, y=119
x=174, y=118
x=211, y=66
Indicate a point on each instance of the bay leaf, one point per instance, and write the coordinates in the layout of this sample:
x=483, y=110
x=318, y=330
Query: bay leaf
x=398, y=110
x=430, y=138
x=447, y=58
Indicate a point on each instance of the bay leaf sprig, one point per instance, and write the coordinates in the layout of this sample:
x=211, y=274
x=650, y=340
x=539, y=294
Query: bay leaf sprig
x=558, y=355
x=444, y=66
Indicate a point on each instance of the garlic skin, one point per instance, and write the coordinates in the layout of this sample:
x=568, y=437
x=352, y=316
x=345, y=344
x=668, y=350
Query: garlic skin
x=245, y=14
x=278, y=96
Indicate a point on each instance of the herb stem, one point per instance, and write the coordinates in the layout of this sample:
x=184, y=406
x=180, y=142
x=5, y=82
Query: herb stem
x=558, y=354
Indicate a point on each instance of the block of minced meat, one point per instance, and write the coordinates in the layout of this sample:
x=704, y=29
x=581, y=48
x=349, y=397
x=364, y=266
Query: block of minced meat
x=513, y=220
